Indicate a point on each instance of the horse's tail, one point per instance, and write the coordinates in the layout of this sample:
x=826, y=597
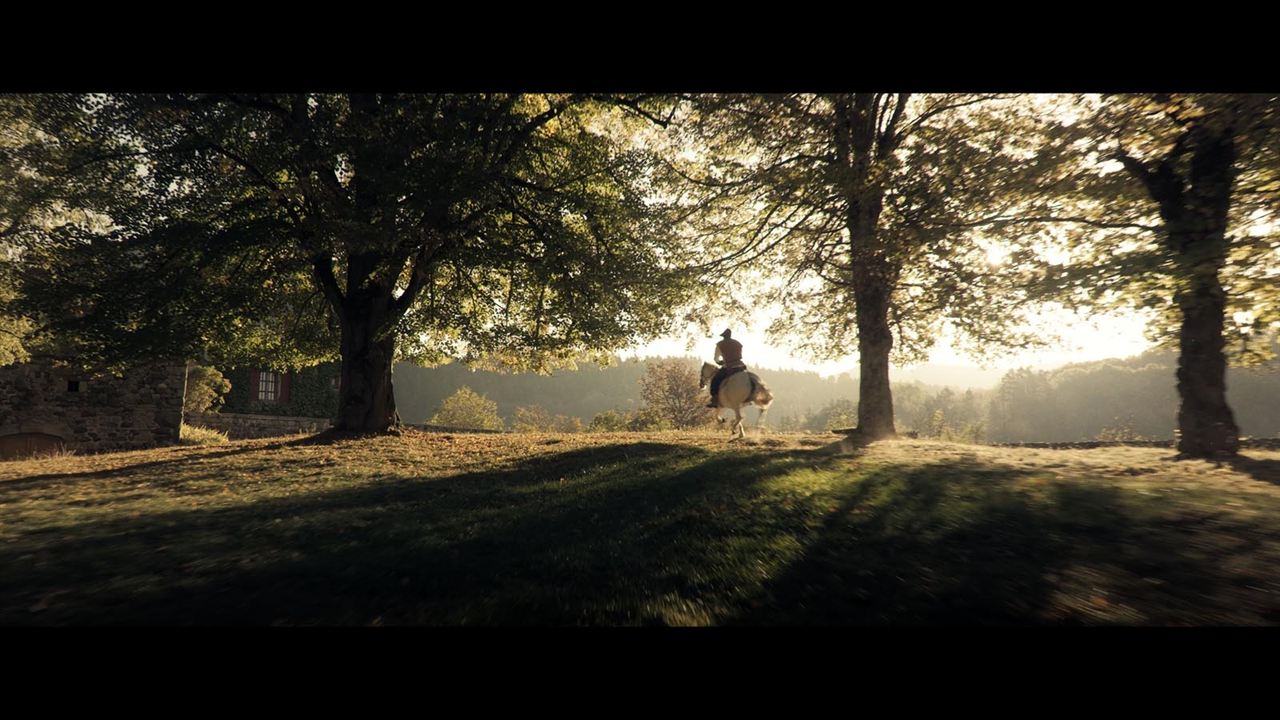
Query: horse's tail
x=760, y=393
x=763, y=398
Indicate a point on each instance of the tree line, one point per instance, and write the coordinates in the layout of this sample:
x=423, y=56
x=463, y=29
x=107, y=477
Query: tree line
x=1115, y=399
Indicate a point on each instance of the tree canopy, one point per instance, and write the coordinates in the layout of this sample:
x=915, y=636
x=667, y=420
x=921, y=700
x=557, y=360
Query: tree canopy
x=1177, y=200
x=870, y=205
x=518, y=229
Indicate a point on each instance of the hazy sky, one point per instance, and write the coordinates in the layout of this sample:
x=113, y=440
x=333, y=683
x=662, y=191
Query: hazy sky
x=1102, y=337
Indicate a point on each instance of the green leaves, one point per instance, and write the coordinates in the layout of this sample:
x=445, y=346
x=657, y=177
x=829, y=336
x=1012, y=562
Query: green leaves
x=466, y=409
x=827, y=194
x=517, y=229
x=1162, y=193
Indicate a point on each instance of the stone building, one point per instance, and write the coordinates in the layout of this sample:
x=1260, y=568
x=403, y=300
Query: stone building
x=309, y=393
x=269, y=403
x=48, y=406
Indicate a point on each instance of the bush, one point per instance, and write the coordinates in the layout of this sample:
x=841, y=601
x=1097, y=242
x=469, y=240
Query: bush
x=637, y=421
x=205, y=389
x=197, y=435
x=643, y=421
x=609, y=421
x=535, y=418
x=972, y=433
x=467, y=409
x=1121, y=431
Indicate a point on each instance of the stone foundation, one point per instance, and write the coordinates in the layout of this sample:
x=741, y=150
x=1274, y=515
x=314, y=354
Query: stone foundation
x=239, y=426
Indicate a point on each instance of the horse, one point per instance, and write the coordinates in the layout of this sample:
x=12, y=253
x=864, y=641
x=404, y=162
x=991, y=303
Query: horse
x=736, y=392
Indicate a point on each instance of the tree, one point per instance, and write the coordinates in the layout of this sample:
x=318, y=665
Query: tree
x=466, y=409
x=869, y=202
x=608, y=421
x=531, y=418
x=283, y=230
x=838, y=413
x=671, y=393
x=1023, y=408
x=205, y=389
x=1179, y=197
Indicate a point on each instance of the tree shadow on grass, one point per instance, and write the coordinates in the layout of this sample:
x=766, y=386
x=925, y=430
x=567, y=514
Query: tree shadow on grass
x=637, y=533
x=1264, y=470
x=959, y=545
x=581, y=536
x=924, y=546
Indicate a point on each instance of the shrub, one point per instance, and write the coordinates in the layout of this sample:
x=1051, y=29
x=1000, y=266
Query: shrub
x=467, y=409
x=535, y=418
x=197, y=435
x=205, y=389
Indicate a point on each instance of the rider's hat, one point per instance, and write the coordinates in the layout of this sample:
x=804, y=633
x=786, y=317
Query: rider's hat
x=724, y=334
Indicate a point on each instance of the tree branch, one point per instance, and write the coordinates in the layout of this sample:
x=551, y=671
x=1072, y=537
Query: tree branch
x=322, y=272
x=417, y=278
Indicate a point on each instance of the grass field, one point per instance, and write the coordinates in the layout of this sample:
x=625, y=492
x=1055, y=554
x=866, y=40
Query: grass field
x=637, y=529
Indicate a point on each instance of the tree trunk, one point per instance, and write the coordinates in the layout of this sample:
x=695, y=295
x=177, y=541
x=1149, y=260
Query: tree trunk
x=1206, y=426
x=875, y=340
x=366, y=401
x=874, y=275
x=1195, y=209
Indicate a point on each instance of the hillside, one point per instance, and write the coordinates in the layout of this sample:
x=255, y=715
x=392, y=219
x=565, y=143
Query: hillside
x=629, y=529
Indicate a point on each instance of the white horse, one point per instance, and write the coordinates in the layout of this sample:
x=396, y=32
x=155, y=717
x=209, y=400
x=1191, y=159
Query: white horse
x=736, y=392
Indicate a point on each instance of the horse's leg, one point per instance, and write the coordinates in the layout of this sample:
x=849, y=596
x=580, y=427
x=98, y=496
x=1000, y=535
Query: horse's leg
x=760, y=420
x=737, y=422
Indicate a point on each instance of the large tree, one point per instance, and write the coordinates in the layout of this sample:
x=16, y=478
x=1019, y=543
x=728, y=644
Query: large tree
x=287, y=229
x=868, y=203
x=1177, y=199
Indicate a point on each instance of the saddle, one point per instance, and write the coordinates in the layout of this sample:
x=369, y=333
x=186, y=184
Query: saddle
x=734, y=370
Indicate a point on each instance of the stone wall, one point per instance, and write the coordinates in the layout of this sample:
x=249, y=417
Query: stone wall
x=238, y=426
x=92, y=411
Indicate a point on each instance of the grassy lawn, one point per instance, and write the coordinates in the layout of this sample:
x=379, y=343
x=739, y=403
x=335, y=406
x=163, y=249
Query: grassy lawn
x=637, y=529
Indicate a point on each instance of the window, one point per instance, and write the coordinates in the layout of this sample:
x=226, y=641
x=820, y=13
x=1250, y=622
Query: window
x=268, y=385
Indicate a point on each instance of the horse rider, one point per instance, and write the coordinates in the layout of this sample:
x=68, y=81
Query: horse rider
x=729, y=358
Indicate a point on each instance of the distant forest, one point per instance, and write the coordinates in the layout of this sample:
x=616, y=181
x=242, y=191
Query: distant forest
x=1122, y=399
